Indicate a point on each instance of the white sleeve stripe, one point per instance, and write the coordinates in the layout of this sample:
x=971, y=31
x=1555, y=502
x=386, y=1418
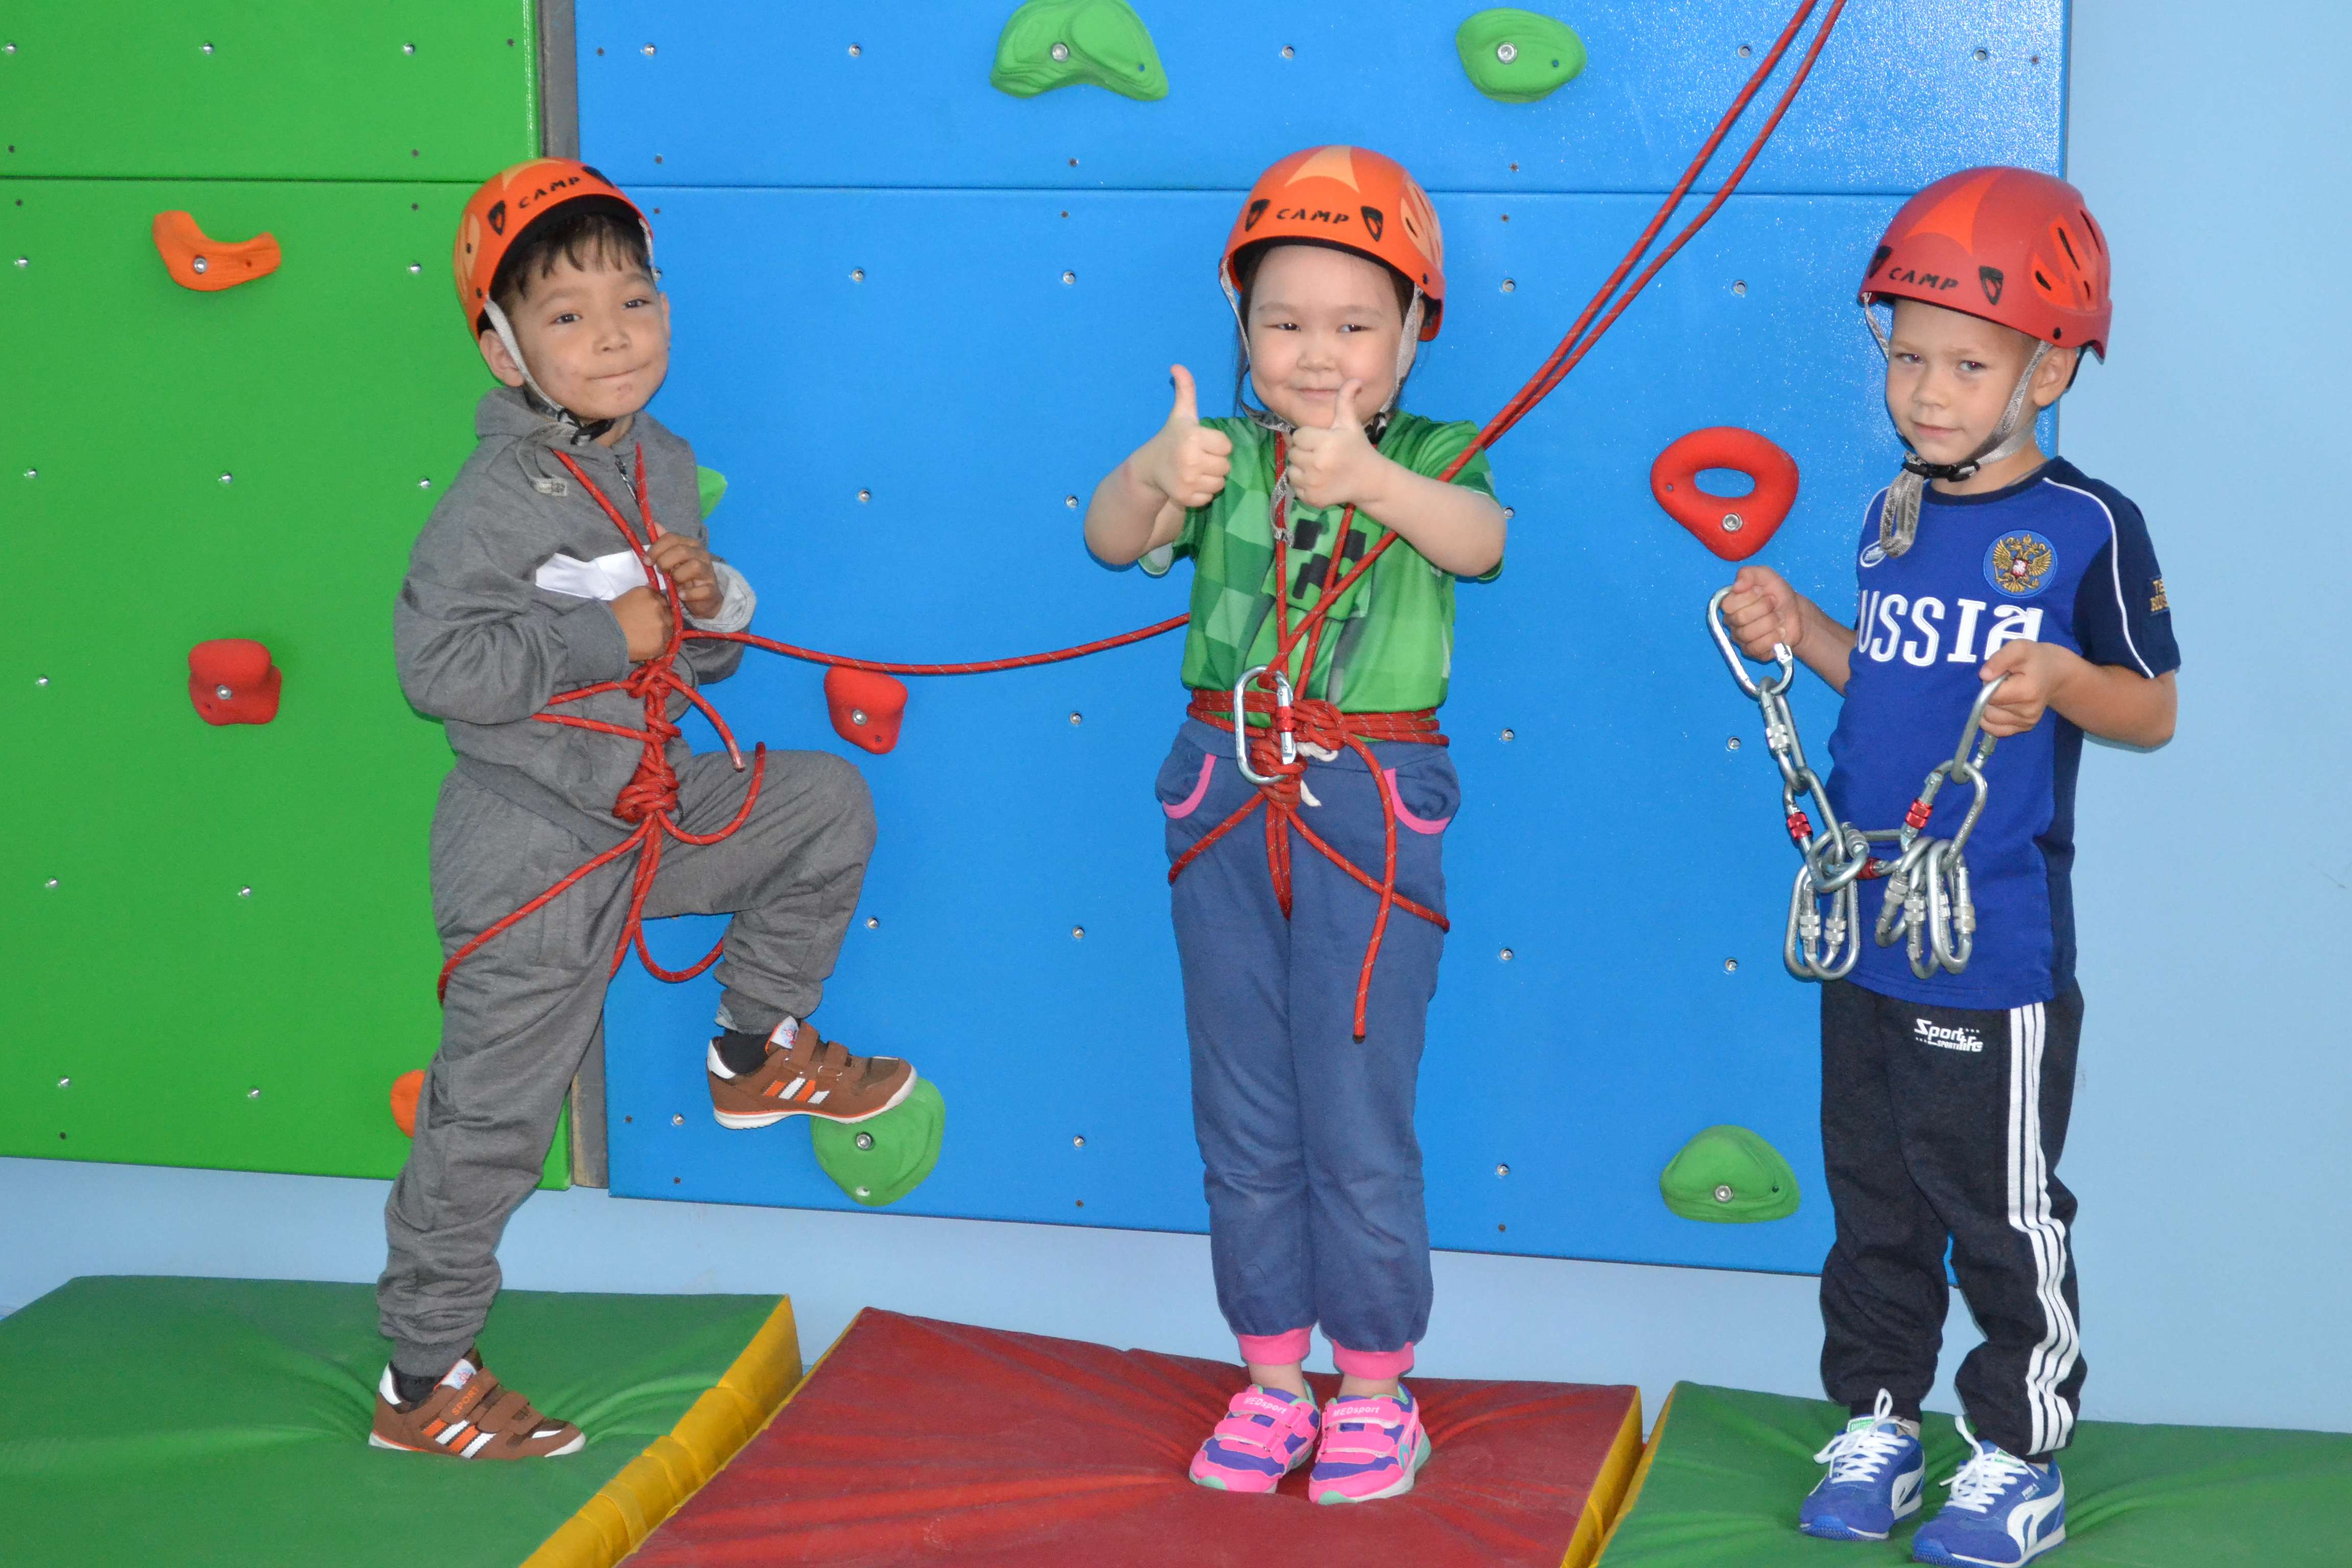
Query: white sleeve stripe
x=2115, y=569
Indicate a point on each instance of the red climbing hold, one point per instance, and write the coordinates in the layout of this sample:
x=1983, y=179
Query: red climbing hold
x=866, y=706
x=195, y=260
x=1734, y=527
x=231, y=682
x=405, y=1091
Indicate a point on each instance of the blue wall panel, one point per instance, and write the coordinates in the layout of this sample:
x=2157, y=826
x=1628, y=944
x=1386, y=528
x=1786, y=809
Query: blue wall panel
x=921, y=346
x=745, y=94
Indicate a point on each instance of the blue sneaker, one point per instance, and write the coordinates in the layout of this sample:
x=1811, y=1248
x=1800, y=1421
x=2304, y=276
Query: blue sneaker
x=1877, y=1469
x=2002, y=1511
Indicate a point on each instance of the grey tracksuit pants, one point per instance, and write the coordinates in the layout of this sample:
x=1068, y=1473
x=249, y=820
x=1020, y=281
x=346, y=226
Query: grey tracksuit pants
x=522, y=1012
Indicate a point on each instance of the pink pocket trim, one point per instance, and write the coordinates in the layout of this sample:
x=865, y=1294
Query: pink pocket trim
x=1418, y=824
x=1192, y=802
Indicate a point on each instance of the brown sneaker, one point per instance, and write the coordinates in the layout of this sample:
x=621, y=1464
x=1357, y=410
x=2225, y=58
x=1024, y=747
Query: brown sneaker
x=469, y=1416
x=806, y=1077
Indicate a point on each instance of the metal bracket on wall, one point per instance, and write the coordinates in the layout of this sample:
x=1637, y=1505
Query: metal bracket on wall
x=590, y=1160
x=559, y=87
x=559, y=137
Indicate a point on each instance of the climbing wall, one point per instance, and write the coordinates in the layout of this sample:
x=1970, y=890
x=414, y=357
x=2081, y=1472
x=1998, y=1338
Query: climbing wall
x=918, y=318
x=220, y=939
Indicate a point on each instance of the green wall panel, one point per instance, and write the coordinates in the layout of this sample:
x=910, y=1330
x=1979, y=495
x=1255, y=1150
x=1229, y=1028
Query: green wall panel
x=435, y=90
x=337, y=394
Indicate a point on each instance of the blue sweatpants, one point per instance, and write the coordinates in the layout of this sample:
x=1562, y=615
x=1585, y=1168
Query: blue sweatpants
x=1316, y=1213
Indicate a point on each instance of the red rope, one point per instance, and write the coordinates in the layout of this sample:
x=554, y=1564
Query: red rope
x=650, y=797
x=1328, y=728
x=983, y=666
x=1564, y=359
x=1317, y=723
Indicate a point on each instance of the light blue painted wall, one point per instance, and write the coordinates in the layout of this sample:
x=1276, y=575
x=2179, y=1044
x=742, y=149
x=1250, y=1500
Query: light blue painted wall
x=2216, y=877
x=2216, y=1094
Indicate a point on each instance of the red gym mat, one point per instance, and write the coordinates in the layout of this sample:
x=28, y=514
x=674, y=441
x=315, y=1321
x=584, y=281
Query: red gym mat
x=914, y=1441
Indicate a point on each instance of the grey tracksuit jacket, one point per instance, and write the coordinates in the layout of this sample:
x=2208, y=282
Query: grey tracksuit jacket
x=482, y=648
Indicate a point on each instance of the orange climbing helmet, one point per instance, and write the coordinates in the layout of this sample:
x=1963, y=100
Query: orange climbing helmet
x=510, y=202
x=2011, y=245
x=1353, y=199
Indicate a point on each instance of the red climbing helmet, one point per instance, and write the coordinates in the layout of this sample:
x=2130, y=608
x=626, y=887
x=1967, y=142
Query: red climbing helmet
x=1356, y=200
x=510, y=202
x=2011, y=245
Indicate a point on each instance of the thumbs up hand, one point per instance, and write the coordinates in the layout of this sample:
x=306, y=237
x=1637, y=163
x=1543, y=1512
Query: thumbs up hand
x=1187, y=461
x=1338, y=465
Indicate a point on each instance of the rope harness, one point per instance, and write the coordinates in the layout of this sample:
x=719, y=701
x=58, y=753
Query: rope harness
x=1274, y=755
x=1270, y=755
x=650, y=797
x=1928, y=906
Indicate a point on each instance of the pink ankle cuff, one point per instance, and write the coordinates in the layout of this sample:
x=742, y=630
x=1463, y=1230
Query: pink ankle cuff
x=1372, y=1363
x=1276, y=1350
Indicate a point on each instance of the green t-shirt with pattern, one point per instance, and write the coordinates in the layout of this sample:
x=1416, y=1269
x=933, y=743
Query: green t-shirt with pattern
x=1389, y=646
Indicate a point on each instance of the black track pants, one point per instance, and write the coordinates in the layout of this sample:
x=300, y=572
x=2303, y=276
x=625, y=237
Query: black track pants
x=1943, y=1127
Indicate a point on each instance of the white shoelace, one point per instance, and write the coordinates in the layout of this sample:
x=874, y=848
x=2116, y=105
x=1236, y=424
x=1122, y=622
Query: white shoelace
x=1986, y=1476
x=1856, y=1453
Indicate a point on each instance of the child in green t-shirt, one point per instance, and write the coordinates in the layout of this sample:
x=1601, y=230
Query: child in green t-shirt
x=1326, y=529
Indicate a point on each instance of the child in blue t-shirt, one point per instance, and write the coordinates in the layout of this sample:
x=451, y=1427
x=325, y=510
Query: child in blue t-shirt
x=1945, y=1100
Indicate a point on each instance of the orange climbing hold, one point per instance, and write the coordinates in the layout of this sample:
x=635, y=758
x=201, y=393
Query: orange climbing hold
x=198, y=261
x=1734, y=527
x=405, y=1091
x=231, y=682
x=866, y=706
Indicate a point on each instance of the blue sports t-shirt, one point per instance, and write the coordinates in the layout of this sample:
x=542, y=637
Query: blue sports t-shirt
x=2056, y=558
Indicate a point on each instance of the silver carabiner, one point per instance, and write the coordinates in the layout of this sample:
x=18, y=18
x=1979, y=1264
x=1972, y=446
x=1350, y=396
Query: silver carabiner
x=1282, y=699
x=1971, y=730
x=1738, y=660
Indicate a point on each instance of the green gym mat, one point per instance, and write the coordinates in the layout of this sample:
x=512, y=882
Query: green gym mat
x=1725, y=1469
x=195, y=1421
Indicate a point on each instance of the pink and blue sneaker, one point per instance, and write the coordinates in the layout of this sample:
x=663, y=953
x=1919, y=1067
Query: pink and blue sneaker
x=1265, y=1435
x=1373, y=1448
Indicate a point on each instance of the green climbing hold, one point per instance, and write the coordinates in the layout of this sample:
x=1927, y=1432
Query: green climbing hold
x=882, y=1159
x=1048, y=43
x=1517, y=56
x=1731, y=1176
x=713, y=486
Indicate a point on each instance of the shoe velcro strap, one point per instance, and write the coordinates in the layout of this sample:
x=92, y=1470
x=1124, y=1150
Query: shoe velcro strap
x=1247, y=1432
x=480, y=1388
x=509, y=1415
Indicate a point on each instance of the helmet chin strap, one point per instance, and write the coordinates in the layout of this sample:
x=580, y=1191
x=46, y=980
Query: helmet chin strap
x=1898, y=521
x=1377, y=425
x=536, y=394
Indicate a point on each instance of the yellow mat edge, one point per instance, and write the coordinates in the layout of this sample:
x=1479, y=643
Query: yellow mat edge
x=626, y=1510
x=1640, y=1474
x=1610, y=1490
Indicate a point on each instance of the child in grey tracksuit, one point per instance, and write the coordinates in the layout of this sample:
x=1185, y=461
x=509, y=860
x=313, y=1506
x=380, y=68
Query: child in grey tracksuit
x=522, y=587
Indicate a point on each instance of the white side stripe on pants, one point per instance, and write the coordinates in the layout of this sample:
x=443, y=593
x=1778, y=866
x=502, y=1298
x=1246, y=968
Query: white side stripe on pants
x=2028, y=1215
